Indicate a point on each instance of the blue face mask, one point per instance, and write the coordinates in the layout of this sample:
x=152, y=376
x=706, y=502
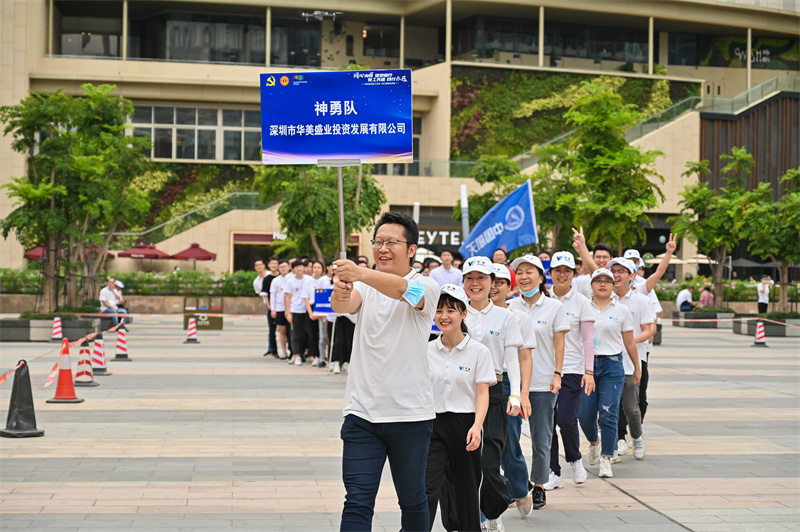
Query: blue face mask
x=531, y=293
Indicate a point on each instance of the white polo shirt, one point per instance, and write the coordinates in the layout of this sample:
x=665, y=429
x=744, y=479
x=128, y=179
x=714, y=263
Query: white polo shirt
x=276, y=302
x=611, y=322
x=579, y=309
x=451, y=276
x=583, y=284
x=495, y=328
x=642, y=312
x=684, y=296
x=651, y=295
x=388, y=380
x=546, y=317
x=299, y=289
x=455, y=374
x=640, y=284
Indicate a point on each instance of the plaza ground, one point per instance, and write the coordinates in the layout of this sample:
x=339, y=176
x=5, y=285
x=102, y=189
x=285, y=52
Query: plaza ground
x=216, y=437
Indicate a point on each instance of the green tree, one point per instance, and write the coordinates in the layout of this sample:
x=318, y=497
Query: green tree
x=309, y=210
x=80, y=164
x=710, y=218
x=616, y=183
x=773, y=227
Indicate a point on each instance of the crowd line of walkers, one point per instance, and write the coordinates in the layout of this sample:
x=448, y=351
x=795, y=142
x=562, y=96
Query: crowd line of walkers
x=556, y=347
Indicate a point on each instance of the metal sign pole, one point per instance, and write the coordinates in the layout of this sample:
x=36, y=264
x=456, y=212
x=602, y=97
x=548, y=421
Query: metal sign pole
x=339, y=164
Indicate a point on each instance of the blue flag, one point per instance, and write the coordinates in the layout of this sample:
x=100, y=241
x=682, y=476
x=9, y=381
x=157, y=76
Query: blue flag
x=510, y=223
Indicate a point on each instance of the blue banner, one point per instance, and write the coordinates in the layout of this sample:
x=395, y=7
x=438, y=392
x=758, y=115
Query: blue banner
x=322, y=301
x=510, y=223
x=359, y=114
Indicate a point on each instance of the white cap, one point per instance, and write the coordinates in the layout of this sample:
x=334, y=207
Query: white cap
x=562, y=258
x=530, y=259
x=119, y=284
x=501, y=271
x=622, y=262
x=632, y=254
x=477, y=264
x=455, y=291
x=602, y=271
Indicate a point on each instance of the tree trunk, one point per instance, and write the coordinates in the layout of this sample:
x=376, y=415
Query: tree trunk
x=556, y=232
x=74, y=270
x=619, y=249
x=718, y=271
x=783, y=286
x=49, y=293
x=317, y=250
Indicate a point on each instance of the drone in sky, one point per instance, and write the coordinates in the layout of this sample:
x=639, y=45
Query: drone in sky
x=319, y=15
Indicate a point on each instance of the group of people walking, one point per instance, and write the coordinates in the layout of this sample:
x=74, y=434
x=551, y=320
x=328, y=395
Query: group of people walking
x=447, y=410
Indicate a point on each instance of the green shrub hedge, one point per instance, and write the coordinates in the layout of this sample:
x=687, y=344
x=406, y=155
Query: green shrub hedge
x=735, y=291
x=183, y=283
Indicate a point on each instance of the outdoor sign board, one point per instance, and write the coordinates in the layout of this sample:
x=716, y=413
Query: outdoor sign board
x=353, y=114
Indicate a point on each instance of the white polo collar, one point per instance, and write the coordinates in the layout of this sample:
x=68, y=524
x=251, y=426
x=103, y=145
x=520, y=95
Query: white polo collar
x=473, y=310
x=565, y=296
x=441, y=347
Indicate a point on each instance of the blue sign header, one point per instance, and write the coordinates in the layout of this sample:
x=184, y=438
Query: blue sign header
x=358, y=114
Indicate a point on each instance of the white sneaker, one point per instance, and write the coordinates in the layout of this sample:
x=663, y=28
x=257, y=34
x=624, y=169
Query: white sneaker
x=298, y=361
x=615, y=459
x=594, y=454
x=638, y=448
x=622, y=447
x=495, y=525
x=345, y=367
x=485, y=526
x=605, y=468
x=315, y=363
x=553, y=483
x=578, y=472
x=336, y=369
x=291, y=359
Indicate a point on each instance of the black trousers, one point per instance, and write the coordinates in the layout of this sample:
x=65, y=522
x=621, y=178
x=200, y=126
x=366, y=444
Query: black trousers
x=273, y=328
x=566, y=418
x=448, y=447
x=495, y=488
x=313, y=347
x=762, y=308
x=342, y=340
x=301, y=332
x=622, y=426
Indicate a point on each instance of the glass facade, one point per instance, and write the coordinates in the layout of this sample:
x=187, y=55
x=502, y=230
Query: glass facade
x=295, y=42
x=199, y=37
x=731, y=51
x=482, y=36
x=381, y=41
x=199, y=133
x=90, y=36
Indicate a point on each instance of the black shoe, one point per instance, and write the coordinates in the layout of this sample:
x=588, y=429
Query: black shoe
x=539, y=498
x=273, y=353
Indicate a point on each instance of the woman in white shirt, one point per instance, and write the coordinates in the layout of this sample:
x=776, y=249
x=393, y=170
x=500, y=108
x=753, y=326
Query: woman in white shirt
x=613, y=333
x=578, y=368
x=547, y=318
x=461, y=371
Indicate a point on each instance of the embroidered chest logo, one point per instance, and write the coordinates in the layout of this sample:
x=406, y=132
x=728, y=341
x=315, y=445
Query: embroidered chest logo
x=541, y=322
x=494, y=333
x=464, y=368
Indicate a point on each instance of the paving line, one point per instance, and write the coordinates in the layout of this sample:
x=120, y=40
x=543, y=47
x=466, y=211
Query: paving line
x=652, y=509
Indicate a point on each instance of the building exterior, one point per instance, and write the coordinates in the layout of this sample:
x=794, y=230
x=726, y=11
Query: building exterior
x=192, y=67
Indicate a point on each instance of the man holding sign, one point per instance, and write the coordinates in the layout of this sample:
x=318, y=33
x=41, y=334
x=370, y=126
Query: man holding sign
x=388, y=406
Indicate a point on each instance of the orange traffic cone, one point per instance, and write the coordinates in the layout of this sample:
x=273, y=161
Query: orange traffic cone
x=85, y=376
x=99, y=357
x=65, y=391
x=121, y=352
x=21, y=416
x=761, y=335
x=57, y=335
x=191, y=335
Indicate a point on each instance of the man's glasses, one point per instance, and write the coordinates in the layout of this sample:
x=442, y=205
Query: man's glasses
x=391, y=244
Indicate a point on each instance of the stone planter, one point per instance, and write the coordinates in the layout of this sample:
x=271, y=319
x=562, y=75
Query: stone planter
x=748, y=328
x=42, y=330
x=679, y=320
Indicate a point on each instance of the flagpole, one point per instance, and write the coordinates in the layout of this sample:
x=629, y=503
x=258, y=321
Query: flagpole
x=464, y=214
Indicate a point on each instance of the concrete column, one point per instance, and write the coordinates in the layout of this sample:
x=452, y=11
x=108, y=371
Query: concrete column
x=663, y=48
x=124, y=30
x=749, y=58
x=448, y=30
x=50, y=27
x=541, y=36
x=650, y=44
x=268, y=44
x=402, y=41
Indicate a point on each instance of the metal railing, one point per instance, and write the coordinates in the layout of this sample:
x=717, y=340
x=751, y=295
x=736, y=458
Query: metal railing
x=179, y=224
x=661, y=118
x=755, y=94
